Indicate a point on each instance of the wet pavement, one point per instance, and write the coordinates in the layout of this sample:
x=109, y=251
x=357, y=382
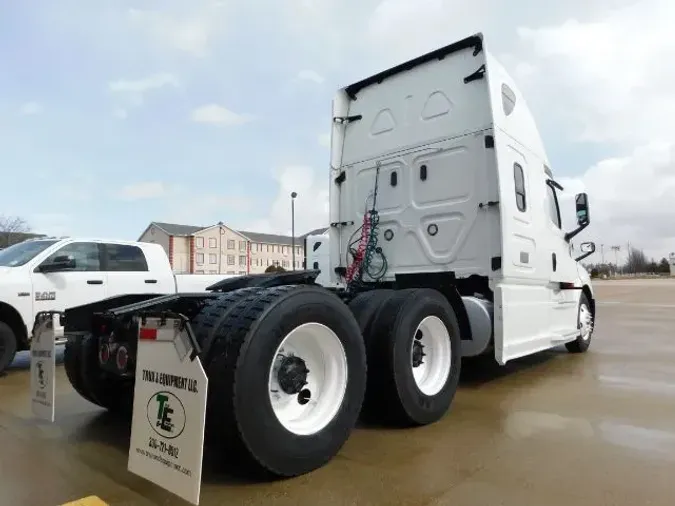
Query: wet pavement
x=552, y=429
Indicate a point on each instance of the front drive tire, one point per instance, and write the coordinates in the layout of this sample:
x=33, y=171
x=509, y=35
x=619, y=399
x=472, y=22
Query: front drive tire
x=585, y=326
x=365, y=307
x=393, y=393
x=245, y=417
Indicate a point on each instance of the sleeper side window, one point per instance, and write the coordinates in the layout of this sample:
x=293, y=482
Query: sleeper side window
x=553, y=207
x=519, y=179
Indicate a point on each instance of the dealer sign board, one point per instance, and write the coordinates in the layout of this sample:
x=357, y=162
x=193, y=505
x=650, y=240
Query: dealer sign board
x=167, y=431
x=43, y=365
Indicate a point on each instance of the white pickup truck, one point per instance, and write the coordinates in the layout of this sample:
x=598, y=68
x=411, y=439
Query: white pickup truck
x=55, y=274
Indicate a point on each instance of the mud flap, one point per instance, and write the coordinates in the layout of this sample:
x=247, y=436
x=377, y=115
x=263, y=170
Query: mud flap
x=46, y=330
x=169, y=411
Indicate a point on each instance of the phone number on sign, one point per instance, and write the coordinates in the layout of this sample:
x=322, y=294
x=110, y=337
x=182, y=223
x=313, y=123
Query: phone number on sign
x=167, y=449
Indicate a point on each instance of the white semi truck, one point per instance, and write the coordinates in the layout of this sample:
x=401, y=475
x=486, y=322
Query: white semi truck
x=445, y=242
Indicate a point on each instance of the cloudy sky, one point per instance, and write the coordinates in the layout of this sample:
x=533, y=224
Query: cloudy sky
x=114, y=113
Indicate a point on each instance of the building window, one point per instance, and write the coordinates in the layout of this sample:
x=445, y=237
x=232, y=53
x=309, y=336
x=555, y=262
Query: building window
x=213, y=272
x=268, y=248
x=298, y=250
x=230, y=244
x=285, y=264
x=230, y=259
x=213, y=258
x=200, y=258
x=242, y=260
x=242, y=273
x=242, y=246
x=212, y=242
x=275, y=263
x=199, y=242
x=199, y=272
x=519, y=179
x=230, y=272
x=254, y=248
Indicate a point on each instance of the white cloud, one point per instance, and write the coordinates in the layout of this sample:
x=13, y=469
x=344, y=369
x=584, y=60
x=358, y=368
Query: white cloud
x=311, y=204
x=152, y=82
x=31, y=109
x=608, y=76
x=144, y=190
x=133, y=91
x=219, y=115
x=120, y=113
x=208, y=208
x=190, y=29
x=310, y=75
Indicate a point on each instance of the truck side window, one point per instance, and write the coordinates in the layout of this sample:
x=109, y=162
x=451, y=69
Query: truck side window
x=519, y=178
x=125, y=258
x=86, y=256
x=553, y=206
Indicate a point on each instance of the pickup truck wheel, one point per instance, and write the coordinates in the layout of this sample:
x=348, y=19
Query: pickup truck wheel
x=214, y=312
x=286, y=382
x=414, y=358
x=108, y=391
x=585, y=326
x=8, y=346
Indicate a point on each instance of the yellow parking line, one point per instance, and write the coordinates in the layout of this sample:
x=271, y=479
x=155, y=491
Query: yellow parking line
x=92, y=500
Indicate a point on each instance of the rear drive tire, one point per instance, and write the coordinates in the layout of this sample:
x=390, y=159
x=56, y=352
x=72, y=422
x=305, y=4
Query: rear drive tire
x=585, y=326
x=214, y=312
x=72, y=361
x=108, y=391
x=8, y=346
x=404, y=387
x=252, y=422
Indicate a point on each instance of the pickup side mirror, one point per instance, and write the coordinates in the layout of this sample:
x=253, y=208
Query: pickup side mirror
x=59, y=263
x=583, y=215
x=587, y=248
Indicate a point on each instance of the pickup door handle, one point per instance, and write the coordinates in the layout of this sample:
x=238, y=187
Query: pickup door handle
x=151, y=281
x=554, y=261
x=94, y=282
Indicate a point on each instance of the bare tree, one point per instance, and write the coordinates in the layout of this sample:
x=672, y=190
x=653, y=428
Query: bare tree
x=12, y=229
x=637, y=261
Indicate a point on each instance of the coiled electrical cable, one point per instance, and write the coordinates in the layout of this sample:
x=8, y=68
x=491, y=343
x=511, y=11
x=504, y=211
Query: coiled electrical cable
x=365, y=250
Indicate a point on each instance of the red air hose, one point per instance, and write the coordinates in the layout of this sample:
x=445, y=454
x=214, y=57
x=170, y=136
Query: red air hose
x=353, y=268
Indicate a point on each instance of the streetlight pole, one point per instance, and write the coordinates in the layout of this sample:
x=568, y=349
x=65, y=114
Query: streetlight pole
x=293, y=195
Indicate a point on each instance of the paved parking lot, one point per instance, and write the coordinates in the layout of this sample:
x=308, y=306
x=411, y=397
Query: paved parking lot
x=553, y=429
